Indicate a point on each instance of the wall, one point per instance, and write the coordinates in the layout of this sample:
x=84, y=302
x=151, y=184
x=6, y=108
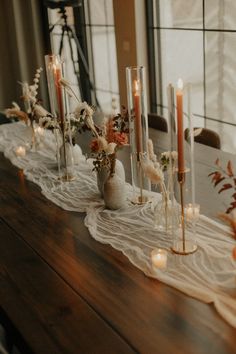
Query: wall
x=22, y=48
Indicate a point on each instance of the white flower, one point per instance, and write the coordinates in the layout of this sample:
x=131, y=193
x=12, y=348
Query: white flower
x=111, y=148
x=40, y=111
x=87, y=110
x=174, y=155
x=46, y=122
x=166, y=154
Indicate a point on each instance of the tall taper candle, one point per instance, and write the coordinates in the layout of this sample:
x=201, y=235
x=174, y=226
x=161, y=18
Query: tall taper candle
x=179, y=103
x=58, y=76
x=137, y=117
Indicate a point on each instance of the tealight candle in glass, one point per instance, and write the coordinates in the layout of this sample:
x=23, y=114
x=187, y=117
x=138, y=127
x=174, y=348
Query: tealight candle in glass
x=20, y=151
x=159, y=258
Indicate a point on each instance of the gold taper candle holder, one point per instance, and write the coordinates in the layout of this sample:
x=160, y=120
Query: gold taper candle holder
x=181, y=245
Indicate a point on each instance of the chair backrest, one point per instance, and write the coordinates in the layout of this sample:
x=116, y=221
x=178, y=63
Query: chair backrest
x=205, y=136
x=157, y=122
x=4, y=119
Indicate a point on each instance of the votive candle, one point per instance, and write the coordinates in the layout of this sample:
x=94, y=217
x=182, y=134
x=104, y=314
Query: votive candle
x=20, y=151
x=159, y=258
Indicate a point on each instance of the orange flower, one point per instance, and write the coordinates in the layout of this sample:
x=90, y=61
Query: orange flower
x=120, y=138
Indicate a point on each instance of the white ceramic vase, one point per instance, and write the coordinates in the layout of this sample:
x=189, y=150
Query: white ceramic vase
x=114, y=192
x=103, y=174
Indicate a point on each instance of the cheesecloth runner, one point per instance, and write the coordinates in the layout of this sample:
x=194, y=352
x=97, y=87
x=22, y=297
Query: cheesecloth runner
x=208, y=275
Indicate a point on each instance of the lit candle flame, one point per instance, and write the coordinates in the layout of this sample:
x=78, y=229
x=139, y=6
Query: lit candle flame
x=180, y=84
x=136, y=87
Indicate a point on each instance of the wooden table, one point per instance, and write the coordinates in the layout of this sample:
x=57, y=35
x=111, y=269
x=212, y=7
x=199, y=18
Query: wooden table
x=63, y=292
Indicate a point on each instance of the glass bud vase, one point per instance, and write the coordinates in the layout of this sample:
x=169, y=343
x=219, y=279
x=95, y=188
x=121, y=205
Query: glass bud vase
x=138, y=127
x=165, y=214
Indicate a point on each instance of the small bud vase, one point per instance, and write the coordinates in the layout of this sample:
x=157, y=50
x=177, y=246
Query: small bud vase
x=103, y=174
x=69, y=155
x=114, y=188
x=165, y=214
x=114, y=192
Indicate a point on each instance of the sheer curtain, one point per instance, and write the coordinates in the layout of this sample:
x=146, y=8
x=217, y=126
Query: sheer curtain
x=22, y=46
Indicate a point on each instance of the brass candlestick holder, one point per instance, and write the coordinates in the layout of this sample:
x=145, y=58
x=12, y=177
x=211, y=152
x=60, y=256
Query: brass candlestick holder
x=181, y=244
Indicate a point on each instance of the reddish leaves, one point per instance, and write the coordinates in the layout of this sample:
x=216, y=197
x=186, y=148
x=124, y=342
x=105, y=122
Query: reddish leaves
x=216, y=177
x=228, y=176
x=230, y=169
x=225, y=187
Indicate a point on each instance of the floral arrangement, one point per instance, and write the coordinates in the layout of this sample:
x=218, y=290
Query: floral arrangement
x=111, y=136
x=226, y=180
x=78, y=121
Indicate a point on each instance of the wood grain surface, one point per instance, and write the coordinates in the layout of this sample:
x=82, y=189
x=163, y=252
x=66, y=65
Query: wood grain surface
x=47, y=254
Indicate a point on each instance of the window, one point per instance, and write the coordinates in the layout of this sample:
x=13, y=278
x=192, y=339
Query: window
x=195, y=40
x=101, y=37
x=71, y=66
x=93, y=23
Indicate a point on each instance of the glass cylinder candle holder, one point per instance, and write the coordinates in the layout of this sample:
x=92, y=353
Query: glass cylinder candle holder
x=138, y=126
x=58, y=103
x=179, y=102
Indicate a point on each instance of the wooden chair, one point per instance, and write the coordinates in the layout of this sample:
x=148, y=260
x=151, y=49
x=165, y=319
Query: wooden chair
x=4, y=119
x=205, y=136
x=157, y=122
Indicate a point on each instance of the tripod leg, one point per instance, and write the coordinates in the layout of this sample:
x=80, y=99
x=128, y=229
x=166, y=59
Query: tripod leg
x=85, y=65
x=73, y=62
x=61, y=42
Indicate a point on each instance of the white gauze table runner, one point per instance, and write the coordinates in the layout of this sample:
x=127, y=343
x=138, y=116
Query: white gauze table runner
x=208, y=275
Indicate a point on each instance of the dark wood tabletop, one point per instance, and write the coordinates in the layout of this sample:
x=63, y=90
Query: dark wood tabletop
x=63, y=292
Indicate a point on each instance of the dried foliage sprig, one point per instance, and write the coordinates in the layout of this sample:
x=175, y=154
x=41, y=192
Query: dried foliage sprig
x=154, y=170
x=226, y=180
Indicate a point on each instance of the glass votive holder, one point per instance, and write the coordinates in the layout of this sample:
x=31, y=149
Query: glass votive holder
x=158, y=259
x=20, y=151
